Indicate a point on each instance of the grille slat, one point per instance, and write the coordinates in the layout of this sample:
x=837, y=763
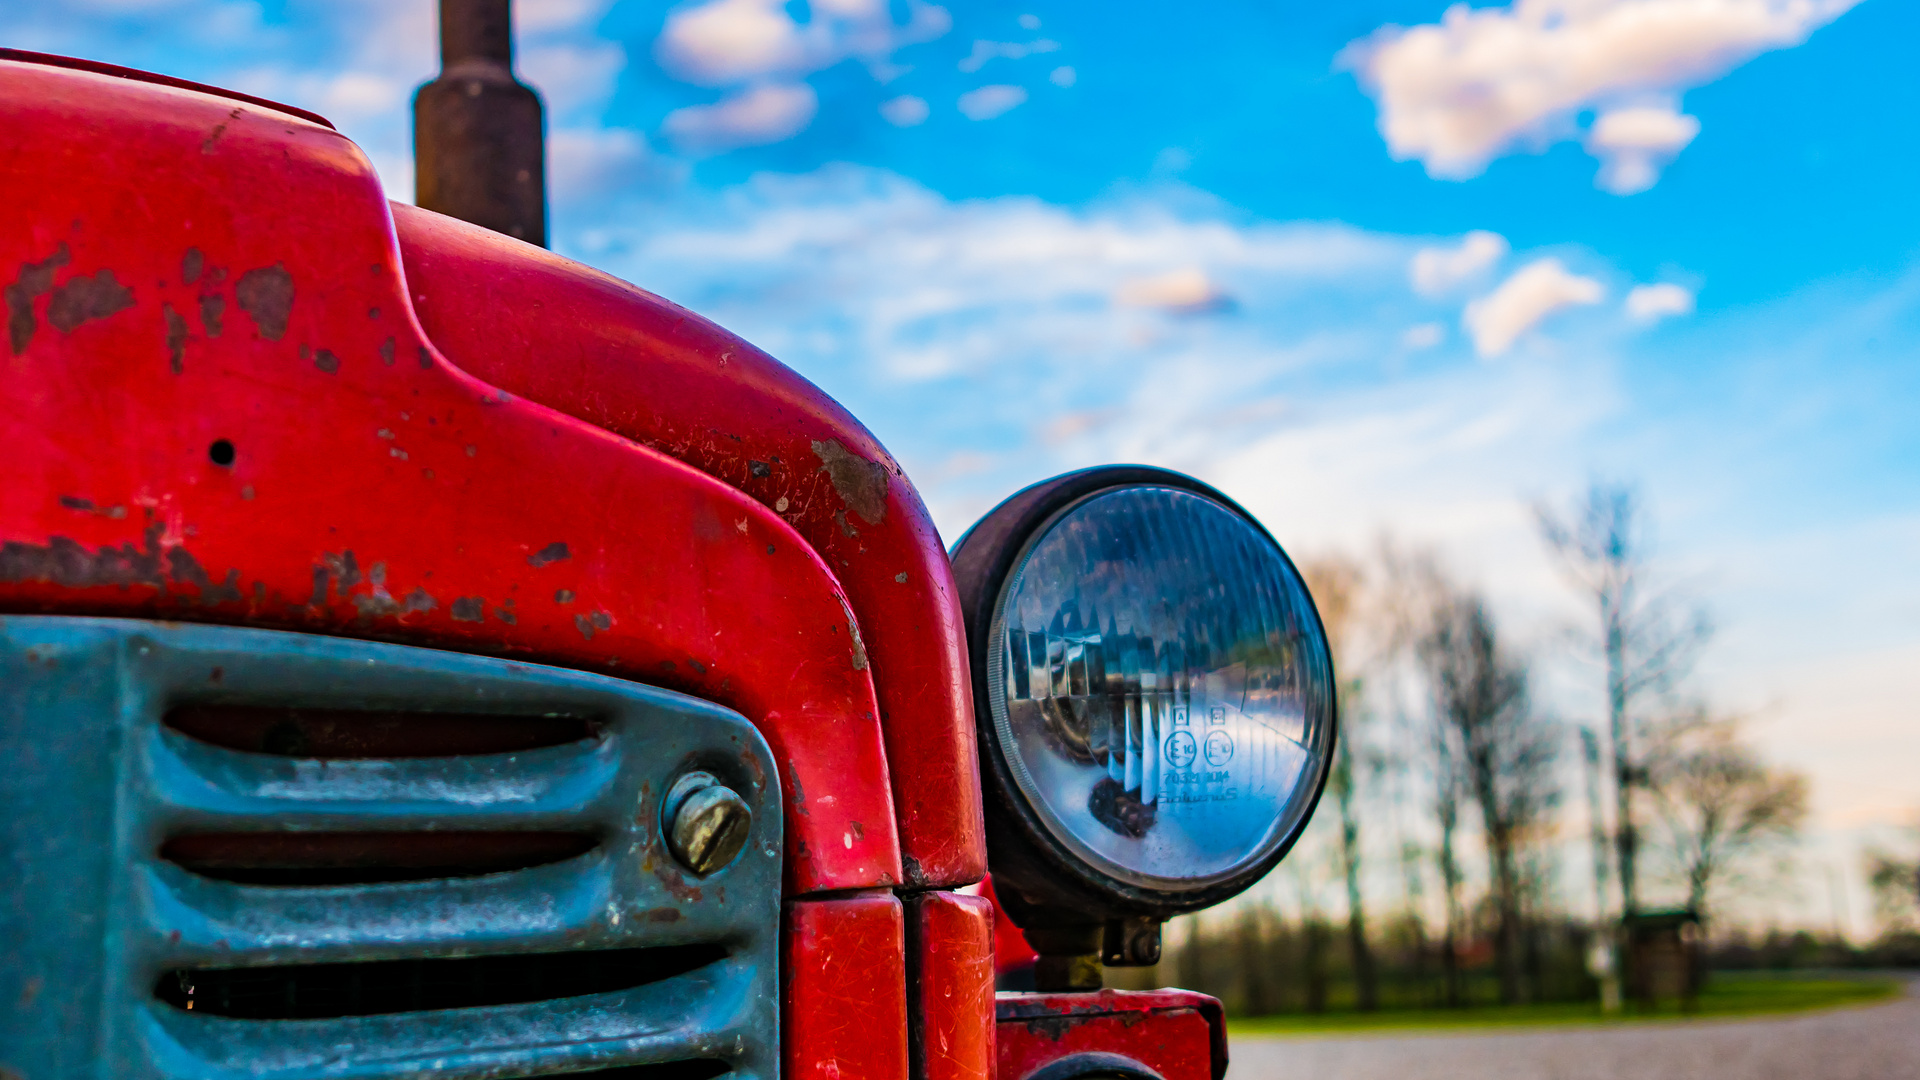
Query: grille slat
x=200, y=788
x=327, y=991
x=319, y=859
x=348, y=734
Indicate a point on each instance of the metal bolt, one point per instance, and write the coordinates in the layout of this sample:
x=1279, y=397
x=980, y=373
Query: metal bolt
x=707, y=822
x=1131, y=943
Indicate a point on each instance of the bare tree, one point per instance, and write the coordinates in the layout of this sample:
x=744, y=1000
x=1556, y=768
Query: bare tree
x=1646, y=640
x=1723, y=806
x=1336, y=584
x=1605, y=969
x=1895, y=881
x=1504, y=751
x=1415, y=592
x=1410, y=925
x=1446, y=813
x=1596, y=819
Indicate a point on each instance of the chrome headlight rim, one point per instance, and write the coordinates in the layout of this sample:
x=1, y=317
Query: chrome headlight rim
x=1051, y=881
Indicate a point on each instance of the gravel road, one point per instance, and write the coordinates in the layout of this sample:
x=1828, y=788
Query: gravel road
x=1875, y=1042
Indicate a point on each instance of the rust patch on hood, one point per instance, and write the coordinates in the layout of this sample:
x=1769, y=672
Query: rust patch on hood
x=853, y=631
x=219, y=129
x=552, y=553
x=68, y=563
x=176, y=337
x=34, y=280
x=61, y=561
x=212, y=306
x=184, y=567
x=266, y=294
x=382, y=603
x=83, y=298
x=86, y=506
x=862, y=484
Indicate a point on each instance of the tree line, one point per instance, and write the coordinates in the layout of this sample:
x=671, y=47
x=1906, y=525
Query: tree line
x=1450, y=762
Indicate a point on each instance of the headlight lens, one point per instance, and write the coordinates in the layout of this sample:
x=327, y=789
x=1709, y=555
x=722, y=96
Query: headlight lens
x=1160, y=687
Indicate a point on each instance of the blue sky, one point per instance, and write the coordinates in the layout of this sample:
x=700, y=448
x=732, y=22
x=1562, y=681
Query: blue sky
x=1368, y=267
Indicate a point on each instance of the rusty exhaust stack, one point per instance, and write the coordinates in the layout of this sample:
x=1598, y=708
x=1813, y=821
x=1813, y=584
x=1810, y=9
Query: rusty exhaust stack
x=478, y=133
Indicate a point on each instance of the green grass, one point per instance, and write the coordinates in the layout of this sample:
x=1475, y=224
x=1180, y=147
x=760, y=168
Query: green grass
x=1725, y=995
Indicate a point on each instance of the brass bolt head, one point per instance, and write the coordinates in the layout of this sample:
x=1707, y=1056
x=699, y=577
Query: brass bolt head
x=706, y=822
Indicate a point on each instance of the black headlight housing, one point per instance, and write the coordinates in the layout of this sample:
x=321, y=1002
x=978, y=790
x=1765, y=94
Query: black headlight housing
x=1154, y=698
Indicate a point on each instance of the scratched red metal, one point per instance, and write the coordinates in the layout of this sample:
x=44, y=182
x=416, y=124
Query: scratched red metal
x=587, y=344
x=844, y=998
x=952, y=985
x=1178, y=1034
x=192, y=280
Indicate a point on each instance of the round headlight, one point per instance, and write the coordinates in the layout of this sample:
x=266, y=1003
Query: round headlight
x=1155, y=695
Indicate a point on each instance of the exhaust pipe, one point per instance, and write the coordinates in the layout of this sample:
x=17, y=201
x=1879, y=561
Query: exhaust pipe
x=479, y=133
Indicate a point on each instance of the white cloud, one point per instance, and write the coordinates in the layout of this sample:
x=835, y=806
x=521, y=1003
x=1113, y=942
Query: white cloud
x=1180, y=292
x=1535, y=291
x=573, y=77
x=1437, y=270
x=849, y=9
x=991, y=101
x=935, y=288
x=983, y=51
x=1650, y=303
x=757, y=47
x=1424, y=336
x=595, y=163
x=549, y=16
x=728, y=42
x=1489, y=81
x=357, y=94
x=1063, y=76
x=905, y=110
x=1634, y=144
x=754, y=117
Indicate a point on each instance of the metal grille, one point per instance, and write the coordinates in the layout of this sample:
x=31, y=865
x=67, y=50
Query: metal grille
x=246, y=853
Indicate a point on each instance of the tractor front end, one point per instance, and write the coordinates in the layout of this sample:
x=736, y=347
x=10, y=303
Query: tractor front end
x=426, y=656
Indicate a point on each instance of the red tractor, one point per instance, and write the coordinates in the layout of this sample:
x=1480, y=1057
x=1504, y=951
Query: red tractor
x=425, y=656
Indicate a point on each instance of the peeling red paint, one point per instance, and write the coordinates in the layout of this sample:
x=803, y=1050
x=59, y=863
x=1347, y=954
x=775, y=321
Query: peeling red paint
x=266, y=295
x=82, y=299
x=35, y=280
x=176, y=338
x=860, y=483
